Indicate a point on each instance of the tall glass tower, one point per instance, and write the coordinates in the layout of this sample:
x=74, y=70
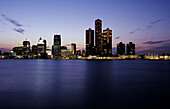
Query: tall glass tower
x=98, y=36
x=89, y=42
x=107, y=42
x=56, y=48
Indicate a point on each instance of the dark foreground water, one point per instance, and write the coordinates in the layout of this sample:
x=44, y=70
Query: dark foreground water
x=84, y=84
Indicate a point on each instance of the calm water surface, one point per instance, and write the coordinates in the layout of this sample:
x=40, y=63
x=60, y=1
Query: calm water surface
x=84, y=84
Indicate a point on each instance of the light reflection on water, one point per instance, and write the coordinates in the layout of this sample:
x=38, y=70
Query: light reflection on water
x=84, y=84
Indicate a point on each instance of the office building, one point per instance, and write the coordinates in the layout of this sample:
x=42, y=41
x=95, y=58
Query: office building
x=131, y=48
x=63, y=48
x=107, y=42
x=73, y=48
x=120, y=48
x=45, y=45
x=26, y=47
x=40, y=47
x=98, y=35
x=89, y=42
x=18, y=50
x=34, y=49
x=56, y=48
x=78, y=52
x=57, y=39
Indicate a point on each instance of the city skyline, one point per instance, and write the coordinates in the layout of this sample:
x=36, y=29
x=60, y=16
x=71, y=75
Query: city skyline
x=144, y=23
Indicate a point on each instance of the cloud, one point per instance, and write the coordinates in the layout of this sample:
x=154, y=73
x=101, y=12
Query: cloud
x=158, y=50
x=156, y=42
x=156, y=21
x=134, y=31
x=67, y=45
x=147, y=27
x=153, y=23
x=19, y=30
x=14, y=22
x=117, y=37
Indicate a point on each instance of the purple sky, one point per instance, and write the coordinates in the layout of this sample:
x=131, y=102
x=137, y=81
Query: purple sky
x=144, y=22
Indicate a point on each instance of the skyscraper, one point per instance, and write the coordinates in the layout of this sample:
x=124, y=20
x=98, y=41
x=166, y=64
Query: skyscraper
x=56, y=48
x=57, y=39
x=131, y=48
x=120, y=48
x=45, y=45
x=98, y=35
x=73, y=48
x=40, y=46
x=34, y=49
x=26, y=47
x=89, y=42
x=107, y=42
x=18, y=50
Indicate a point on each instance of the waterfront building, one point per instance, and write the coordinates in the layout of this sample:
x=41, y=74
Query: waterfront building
x=130, y=49
x=73, y=48
x=34, y=49
x=40, y=46
x=89, y=42
x=107, y=42
x=18, y=50
x=98, y=36
x=26, y=47
x=45, y=45
x=63, y=48
x=83, y=53
x=56, y=48
x=78, y=52
x=66, y=52
x=120, y=48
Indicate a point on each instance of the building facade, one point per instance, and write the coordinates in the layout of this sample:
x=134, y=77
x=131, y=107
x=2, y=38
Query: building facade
x=120, y=48
x=73, y=48
x=89, y=42
x=40, y=46
x=34, y=49
x=130, y=49
x=56, y=48
x=26, y=47
x=98, y=36
x=107, y=42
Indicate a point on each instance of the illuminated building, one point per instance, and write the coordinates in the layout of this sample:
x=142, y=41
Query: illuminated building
x=107, y=42
x=26, y=47
x=89, y=42
x=63, y=48
x=18, y=50
x=131, y=48
x=66, y=52
x=78, y=52
x=34, y=49
x=98, y=35
x=45, y=45
x=83, y=52
x=40, y=46
x=73, y=48
x=56, y=48
x=120, y=48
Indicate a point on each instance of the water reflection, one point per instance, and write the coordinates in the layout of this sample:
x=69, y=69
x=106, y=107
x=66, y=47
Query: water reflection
x=84, y=84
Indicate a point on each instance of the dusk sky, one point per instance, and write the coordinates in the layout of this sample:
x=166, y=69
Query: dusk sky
x=143, y=22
